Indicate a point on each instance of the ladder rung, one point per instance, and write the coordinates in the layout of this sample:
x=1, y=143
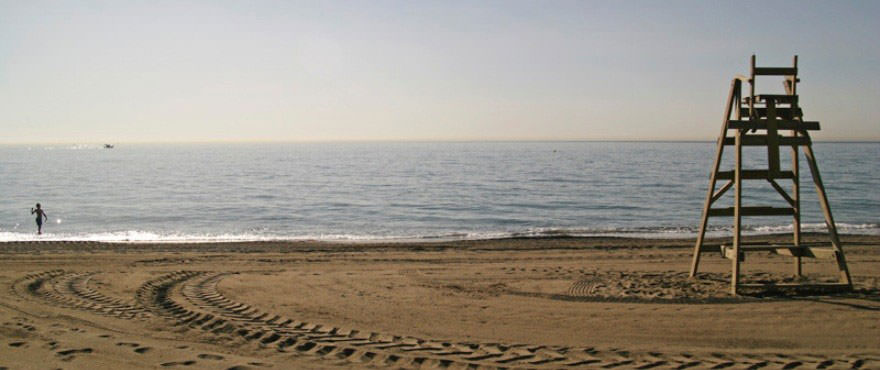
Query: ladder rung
x=761, y=124
x=810, y=251
x=781, y=112
x=775, y=71
x=759, y=246
x=761, y=140
x=768, y=247
x=796, y=286
x=752, y=211
x=777, y=245
x=754, y=175
x=806, y=251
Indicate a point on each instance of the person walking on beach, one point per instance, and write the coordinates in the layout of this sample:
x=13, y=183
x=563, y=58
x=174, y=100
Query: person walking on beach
x=40, y=216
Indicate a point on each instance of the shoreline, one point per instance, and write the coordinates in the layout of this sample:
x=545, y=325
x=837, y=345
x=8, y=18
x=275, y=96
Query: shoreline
x=508, y=243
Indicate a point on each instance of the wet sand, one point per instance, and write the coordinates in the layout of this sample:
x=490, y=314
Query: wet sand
x=513, y=303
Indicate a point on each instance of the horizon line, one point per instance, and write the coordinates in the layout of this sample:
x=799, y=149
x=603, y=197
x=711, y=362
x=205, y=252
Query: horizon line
x=268, y=141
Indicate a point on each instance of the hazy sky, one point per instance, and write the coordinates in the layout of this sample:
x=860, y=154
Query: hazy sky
x=117, y=71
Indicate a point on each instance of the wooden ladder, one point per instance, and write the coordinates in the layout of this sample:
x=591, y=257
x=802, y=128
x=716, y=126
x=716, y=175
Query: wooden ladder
x=763, y=120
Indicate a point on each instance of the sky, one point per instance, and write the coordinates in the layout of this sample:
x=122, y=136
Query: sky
x=176, y=71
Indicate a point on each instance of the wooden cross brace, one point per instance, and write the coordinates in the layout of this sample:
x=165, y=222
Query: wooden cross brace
x=772, y=139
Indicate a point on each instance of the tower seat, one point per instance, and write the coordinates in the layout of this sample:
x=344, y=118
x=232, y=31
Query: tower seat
x=778, y=98
x=785, y=113
x=761, y=140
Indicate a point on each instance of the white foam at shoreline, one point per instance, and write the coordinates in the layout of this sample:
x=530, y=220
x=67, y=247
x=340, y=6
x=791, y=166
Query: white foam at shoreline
x=141, y=236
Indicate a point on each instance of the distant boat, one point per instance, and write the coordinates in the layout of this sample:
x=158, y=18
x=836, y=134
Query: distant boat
x=108, y=146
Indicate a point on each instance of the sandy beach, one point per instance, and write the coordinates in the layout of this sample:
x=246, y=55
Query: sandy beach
x=513, y=303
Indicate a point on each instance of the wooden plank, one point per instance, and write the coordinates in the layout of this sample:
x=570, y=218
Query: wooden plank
x=761, y=140
x=732, y=97
x=762, y=124
x=737, y=203
x=796, y=201
x=772, y=140
x=794, y=79
x=810, y=252
x=785, y=250
x=721, y=191
x=755, y=175
x=775, y=71
x=799, y=286
x=778, y=98
x=826, y=211
x=750, y=100
x=783, y=113
x=785, y=245
x=764, y=247
x=790, y=85
x=751, y=211
x=796, y=288
x=784, y=195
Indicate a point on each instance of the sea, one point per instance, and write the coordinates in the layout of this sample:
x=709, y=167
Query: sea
x=402, y=191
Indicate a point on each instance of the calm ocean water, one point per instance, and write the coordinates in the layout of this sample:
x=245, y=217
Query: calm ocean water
x=369, y=191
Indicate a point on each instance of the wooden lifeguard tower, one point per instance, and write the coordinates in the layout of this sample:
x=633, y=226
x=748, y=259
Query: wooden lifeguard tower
x=762, y=121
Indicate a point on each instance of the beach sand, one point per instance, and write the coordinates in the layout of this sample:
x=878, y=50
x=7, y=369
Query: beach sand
x=512, y=303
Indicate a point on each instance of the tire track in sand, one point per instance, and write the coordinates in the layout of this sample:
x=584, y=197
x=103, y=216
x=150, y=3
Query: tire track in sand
x=192, y=299
x=71, y=290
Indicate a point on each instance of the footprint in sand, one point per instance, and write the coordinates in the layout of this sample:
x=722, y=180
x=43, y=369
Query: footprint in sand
x=206, y=356
x=128, y=344
x=260, y=364
x=69, y=352
x=17, y=344
x=178, y=363
x=143, y=350
x=26, y=326
x=240, y=367
x=68, y=355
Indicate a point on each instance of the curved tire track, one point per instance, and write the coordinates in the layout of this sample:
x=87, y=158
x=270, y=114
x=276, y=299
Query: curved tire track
x=71, y=290
x=201, y=305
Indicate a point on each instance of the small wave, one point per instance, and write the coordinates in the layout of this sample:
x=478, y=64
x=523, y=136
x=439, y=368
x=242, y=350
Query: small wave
x=137, y=236
x=841, y=227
